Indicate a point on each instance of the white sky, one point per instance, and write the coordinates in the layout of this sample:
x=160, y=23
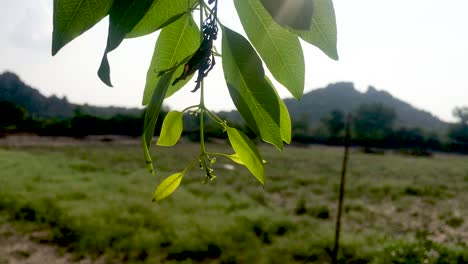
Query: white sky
x=415, y=49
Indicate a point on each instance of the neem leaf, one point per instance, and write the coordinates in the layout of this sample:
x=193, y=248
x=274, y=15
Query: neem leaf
x=296, y=14
x=247, y=152
x=73, y=17
x=285, y=119
x=171, y=129
x=323, y=32
x=279, y=48
x=152, y=114
x=175, y=43
x=168, y=186
x=124, y=15
x=160, y=14
x=285, y=122
x=235, y=157
x=254, y=98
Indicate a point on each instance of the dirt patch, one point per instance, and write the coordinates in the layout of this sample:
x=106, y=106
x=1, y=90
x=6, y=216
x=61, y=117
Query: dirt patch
x=21, y=249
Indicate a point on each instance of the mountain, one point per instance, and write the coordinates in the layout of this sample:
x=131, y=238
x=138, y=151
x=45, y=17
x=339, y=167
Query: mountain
x=14, y=90
x=310, y=108
x=343, y=96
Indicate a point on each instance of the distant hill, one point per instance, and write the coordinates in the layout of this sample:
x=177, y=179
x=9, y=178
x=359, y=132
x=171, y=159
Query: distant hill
x=14, y=90
x=343, y=96
x=313, y=105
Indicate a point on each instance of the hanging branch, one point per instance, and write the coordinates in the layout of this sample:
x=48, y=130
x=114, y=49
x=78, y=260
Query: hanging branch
x=203, y=60
x=184, y=49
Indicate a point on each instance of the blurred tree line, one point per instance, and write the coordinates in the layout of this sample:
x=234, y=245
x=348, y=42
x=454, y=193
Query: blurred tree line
x=14, y=119
x=373, y=126
x=458, y=133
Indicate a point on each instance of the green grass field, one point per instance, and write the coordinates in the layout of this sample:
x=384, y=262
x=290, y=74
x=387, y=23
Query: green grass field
x=97, y=200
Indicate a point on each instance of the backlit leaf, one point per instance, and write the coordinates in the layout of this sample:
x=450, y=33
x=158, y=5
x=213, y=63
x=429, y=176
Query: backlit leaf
x=73, y=17
x=168, y=186
x=171, y=129
x=323, y=32
x=285, y=119
x=175, y=43
x=285, y=122
x=235, y=157
x=124, y=15
x=280, y=49
x=152, y=114
x=296, y=14
x=160, y=14
x=253, y=96
x=247, y=152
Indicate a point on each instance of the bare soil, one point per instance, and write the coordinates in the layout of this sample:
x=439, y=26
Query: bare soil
x=17, y=248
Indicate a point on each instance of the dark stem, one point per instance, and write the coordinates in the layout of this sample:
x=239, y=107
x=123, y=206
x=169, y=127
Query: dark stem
x=344, y=168
x=202, y=93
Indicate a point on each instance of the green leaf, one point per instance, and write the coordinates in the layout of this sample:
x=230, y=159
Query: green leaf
x=124, y=15
x=323, y=33
x=161, y=14
x=171, y=129
x=295, y=14
x=247, y=152
x=235, y=157
x=168, y=186
x=73, y=17
x=255, y=99
x=175, y=43
x=285, y=123
x=279, y=48
x=152, y=114
x=285, y=119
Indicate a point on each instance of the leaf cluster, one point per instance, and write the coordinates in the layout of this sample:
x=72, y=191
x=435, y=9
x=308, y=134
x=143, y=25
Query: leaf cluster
x=274, y=30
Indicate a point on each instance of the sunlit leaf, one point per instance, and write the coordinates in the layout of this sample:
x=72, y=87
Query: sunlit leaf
x=247, y=153
x=285, y=119
x=253, y=96
x=296, y=14
x=124, y=15
x=280, y=49
x=152, y=114
x=160, y=14
x=235, y=157
x=175, y=43
x=168, y=186
x=171, y=129
x=73, y=17
x=285, y=123
x=323, y=32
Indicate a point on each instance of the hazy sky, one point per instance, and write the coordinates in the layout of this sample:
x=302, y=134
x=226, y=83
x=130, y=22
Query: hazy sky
x=415, y=49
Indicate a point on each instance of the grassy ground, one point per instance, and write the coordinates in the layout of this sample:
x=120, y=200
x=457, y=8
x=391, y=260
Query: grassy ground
x=96, y=200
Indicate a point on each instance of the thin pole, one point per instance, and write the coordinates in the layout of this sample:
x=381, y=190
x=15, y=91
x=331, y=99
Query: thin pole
x=344, y=168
